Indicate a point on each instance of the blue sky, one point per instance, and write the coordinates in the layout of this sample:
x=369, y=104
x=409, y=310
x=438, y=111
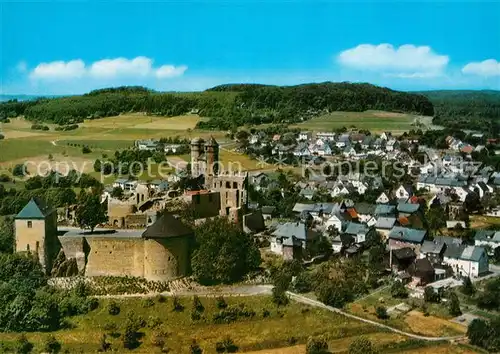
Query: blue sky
x=73, y=47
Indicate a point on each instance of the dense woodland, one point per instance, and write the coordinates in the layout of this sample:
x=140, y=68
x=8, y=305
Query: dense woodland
x=475, y=110
x=228, y=106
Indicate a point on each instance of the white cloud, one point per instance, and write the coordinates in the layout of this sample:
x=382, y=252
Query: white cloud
x=140, y=66
x=117, y=68
x=408, y=61
x=166, y=71
x=59, y=70
x=486, y=68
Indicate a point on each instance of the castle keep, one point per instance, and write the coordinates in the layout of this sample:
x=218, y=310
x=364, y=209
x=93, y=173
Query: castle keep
x=231, y=185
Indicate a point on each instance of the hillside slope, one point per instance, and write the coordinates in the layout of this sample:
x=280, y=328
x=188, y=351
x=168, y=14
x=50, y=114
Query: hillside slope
x=466, y=109
x=228, y=106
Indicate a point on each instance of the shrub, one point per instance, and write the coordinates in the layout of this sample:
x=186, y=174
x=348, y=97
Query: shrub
x=177, y=306
x=5, y=178
x=226, y=316
x=131, y=335
x=51, y=345
x=23, y=346
x=154, y=321
x=398, y=290
x=147, y=302
x=159, y=339
x=86, y=150
x=195, y=348
x=361, y=346
x=317, y=345
x=195, y=316
x=303, y=283
x=92, y=303
x=226, y=346
x=430, y=295
x=197, y=305
x=161, y=299
x=2, y=136
x=265, y=313
x=381, y=312
x=279, y=297
x=113, y=308
x=104, y=345
x=221, y=303
x=467, y=287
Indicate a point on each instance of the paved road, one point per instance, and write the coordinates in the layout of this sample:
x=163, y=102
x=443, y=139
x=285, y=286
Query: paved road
x=311, y=302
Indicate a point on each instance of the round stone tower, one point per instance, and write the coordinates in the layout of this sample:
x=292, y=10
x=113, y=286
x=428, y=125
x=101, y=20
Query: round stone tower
x=212, y=153
x=196, y=151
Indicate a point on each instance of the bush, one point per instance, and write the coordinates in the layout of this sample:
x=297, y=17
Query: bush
x=86, y=150
x=381, y=312
x=104, y=345
x=5, y=178
x=279, y=297
x=398, y=290
x=159, y=339
x=221, y=303
x=92, y=303
x=195, y=316
x=51, y=345
x=303, y=283
x=113, y=308
x=226, y=346
x=227, y=315
x=195, y=348
x=23, y=346
x=2, y=136
x=361, y=346
x=147, y=302
x=177, y=306
x=265, y=313
x=317, y=345
x=467, y=287
x=161, y=299
x=154, y=322
x=197, y=305
x=430, y=295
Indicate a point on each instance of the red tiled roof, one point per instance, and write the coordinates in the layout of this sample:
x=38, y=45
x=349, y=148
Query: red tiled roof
x=352, y=213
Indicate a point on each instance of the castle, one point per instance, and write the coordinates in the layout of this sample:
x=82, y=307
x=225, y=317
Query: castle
x=160, y=251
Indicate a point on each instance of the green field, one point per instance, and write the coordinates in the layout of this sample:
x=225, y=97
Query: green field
x=280, y=329
x=375, y=121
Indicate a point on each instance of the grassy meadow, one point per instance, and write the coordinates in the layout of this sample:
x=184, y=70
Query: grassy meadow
x=375, y=121
x=284, y=330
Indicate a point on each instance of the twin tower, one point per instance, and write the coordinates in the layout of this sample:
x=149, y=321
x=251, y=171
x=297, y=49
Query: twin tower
x=204, y=157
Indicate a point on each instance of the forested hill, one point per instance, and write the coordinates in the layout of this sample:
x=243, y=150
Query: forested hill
x=228, y=106
x=467, y=109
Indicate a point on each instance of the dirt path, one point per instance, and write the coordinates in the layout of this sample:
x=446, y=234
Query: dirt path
x=311, y=302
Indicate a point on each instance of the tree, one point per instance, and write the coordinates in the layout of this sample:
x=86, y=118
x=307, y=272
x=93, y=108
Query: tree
x=317, y=345
x=398, y=290
x=226, y=346
x=467, y=287
x=23, y=346
x=19, y=170
x=89, y=211
x=86, y=150
x=97, y=165
x=7, y=235
x=361, y=346
x=435, y=219
x=430, y=295
x=477, y=332
x=454, y=304
x=51, y=345
x=223, y=253
x=117, y=192
x=131, y=336
x=381, y=312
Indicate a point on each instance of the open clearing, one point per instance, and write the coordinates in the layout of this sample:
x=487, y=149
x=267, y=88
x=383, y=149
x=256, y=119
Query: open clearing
x=375, y=121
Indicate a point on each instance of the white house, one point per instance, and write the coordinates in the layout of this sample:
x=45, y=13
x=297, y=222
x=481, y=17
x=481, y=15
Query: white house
x=404, y=192
x=334, y=222
x=382, y=198
x=325, y=136
x=469, y=261
x=305, y=136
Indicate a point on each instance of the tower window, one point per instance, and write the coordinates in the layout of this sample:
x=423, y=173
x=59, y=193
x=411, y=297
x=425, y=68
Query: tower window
x=228, y=184
x=37, y=246
x=28, y=247
x=235, y=185
x=30, y=225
